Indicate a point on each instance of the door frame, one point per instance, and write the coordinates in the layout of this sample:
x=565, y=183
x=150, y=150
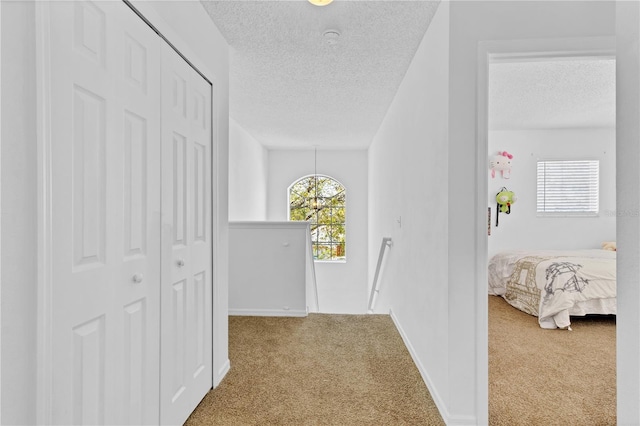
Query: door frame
x=0, y=210
x=45, y=247
x=488, y=52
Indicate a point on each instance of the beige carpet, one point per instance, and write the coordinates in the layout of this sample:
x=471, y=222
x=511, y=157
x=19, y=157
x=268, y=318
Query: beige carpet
x=355, y=370
x=320, y=370
x=550, y=377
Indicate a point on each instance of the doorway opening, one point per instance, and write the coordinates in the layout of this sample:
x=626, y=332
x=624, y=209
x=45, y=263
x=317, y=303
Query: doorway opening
x=552, y=112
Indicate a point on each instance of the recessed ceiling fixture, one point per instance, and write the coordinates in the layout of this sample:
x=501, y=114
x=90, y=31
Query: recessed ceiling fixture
x=320, y=2
x=331, y=36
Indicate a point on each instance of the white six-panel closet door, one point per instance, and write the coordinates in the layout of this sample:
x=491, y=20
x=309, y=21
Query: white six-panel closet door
x=186, y=239
x=121, y=221
x=106, y=215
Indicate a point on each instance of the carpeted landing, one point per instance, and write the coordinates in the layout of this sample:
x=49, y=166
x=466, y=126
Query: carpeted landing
x=550, y=377
x=319, y=370
x=355, y=370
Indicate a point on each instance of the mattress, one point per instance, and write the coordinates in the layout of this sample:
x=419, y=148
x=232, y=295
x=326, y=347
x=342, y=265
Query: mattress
x=556, y=284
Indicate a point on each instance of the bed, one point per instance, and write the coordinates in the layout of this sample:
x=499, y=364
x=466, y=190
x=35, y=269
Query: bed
x=556, y=284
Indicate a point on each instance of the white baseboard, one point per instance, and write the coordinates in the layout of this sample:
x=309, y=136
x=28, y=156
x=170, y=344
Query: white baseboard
x=222, y=372
x=267, y=313
x=437, y=398
x=461, y=421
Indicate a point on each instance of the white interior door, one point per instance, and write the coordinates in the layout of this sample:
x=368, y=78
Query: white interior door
x=131, y=256
x=105, y=187
x=186, y=370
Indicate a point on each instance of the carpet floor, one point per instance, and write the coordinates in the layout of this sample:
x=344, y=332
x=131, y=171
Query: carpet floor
x=319, y=370
x=550, y=377
x=355, y=370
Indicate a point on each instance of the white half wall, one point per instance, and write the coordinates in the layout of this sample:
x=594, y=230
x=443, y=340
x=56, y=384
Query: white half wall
x=523, y=229
x=474, y=22
x=342, y=286
x=408, y=202
x=247, y=176
x=268, y=268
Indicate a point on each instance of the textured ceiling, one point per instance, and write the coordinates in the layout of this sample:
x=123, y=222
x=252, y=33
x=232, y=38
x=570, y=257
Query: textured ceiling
x=291, y=88
x=552, y=94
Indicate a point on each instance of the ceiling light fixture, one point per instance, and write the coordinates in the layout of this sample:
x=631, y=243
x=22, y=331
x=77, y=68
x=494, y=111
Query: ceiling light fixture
x=320, y=2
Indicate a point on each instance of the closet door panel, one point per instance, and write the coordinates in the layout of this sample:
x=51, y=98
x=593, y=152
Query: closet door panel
x=81, y=285
x=201, y=249
x=105, y=215
x=139, y=254
x=186, y=259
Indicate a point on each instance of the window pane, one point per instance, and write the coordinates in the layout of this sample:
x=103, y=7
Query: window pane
x=324, y=216
x=338, y=214
x=298, y=214
x=337, y=233
x=303, y=187
x=318, y=201
x=324, y=252
x=330, y=188
x=322, y=205
x=324, y=234
x=336, y=202
x=296, y=200
x=338, y=251
x=568, y=187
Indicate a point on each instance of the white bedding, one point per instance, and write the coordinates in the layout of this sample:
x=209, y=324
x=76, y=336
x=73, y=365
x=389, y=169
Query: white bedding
x=555, y=284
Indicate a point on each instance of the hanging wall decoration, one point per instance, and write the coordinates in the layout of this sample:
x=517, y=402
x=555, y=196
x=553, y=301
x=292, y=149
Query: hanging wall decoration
x=501, y=163
x=504, y=198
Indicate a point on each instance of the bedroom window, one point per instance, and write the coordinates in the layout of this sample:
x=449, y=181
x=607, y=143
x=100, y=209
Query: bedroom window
x=320, y=200
x=568, y=187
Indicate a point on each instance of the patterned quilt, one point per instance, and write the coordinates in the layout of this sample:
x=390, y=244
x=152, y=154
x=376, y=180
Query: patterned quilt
x=549, y=284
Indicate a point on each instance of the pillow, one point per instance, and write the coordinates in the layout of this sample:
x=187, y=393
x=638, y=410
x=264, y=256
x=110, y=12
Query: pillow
x=610, y=245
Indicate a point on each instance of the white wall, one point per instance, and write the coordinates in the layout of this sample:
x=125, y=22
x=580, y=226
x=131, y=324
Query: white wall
x=268, y=268
x=19, y=206
x=188, y=26
x=471, y=23
x=523, y=229
x=247, y=175
x=342, y=287
x=408, y=179
x=628, y=203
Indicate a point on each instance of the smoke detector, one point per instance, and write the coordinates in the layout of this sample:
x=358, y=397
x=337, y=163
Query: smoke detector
x=331, y=36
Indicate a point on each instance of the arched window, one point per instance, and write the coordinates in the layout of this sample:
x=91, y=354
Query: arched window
x=320, y=200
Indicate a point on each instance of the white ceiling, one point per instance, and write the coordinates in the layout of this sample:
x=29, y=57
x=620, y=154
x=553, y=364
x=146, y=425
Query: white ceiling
x=560, y=93
x=290, y=88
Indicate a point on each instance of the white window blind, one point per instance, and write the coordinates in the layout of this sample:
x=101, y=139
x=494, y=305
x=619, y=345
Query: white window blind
x=568, y=187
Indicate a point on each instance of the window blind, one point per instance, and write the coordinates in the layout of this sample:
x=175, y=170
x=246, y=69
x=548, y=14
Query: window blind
x=568, y=187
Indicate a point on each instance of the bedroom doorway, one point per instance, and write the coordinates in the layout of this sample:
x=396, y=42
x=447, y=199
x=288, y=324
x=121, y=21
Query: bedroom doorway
x=543, y=111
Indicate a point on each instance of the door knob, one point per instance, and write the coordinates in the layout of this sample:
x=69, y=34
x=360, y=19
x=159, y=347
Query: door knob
x=180, y=263
x=137, y=278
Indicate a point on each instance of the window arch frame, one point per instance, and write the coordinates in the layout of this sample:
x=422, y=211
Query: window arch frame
x=340, y=254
